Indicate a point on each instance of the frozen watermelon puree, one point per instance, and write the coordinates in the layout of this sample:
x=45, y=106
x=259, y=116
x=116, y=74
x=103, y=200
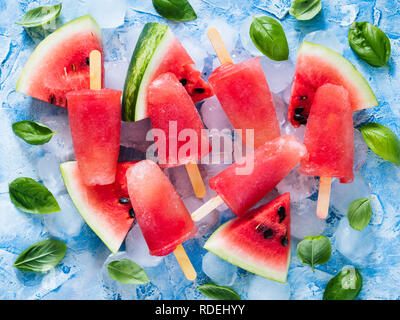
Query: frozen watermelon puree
x=271, y=163
x=95, y=122
x=160, y=212
x=172, y=111
x=329, y=135
x=246, y=99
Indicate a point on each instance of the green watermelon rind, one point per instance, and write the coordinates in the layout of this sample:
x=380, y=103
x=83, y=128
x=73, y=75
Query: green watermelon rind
x=216, y=245
x=53, y=40
x=152, y=45
x=346, y=68
x=84, y=210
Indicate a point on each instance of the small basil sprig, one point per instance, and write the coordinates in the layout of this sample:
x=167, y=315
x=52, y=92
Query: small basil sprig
x=382, y=141
x=370, y=43
x=359, y=213
x=127, y=271
x=33, y=132
x=41, y=256
x=216, y=292
x=32, y=197
x=268, y=36
x=314, y=250
x=305, y=9
x=176, y=10
x=346, y=285
x=40, y=16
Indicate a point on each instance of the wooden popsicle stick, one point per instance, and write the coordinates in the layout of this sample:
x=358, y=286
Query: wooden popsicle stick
x=323, y=197
x=196, y=179
x=95, y=70
x=184, y=262
x=219, y=46
x=206, y=208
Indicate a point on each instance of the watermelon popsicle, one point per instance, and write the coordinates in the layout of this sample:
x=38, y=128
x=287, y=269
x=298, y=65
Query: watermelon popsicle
x=160, y=212
x=244, y=95
x=243, y=184
x=329, y=141
x=95, y=123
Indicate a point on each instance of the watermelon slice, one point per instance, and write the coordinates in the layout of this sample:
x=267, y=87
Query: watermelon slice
x=259, y=241
x=318, y=65
x=60, y=63
x=158, y=51
x=106, y=209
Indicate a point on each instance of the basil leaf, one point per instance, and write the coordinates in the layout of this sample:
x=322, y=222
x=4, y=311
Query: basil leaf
x=41, y=256
x=268, y=36
x=370, y=43
x=40, y=16
x=305, y=9
x=127, y=271
x=359, y=213
x=314, y=250
x=346, y=285
x=216, y=292
x=382, y=141
x=33, y=132
x=32, y=197
x=176, y=10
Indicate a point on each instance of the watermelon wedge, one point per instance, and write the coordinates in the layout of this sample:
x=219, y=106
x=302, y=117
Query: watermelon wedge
x=60, y=63
x=317, y=65
x=259, y=241
x=158, y=51
x=106, y=209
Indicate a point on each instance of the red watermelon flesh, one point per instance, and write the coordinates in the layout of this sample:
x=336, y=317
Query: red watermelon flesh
x=60, y=63
x=104, y=208
x=259, y=241
x=329, y=135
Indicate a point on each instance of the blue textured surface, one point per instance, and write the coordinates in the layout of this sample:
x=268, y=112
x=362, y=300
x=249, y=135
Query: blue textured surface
x=81, y=275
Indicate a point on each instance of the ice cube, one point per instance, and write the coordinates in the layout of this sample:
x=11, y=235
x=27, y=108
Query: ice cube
x=129, y=39
x=378, y=212
x=287, y=94
x=213, y=115
x=207, y=223
x=228, y=33
x=279, y=74
x=265, y=289
x=180, y=179
x=304, y=220
x=299, y=186
x=354, y=245
x=298, y=132
x=66, y=223
x=279, y=8
x=115, y=74
x=343, y=194
x=134, y=135
x=281, y=108
x=245, y=39
x=326, y=38
x=360, y=150
x=219, y=271
x=306, y=284
x=48, y=169
x=347, y=14
x=196, y=51
x=137, y=249
x=107, y=13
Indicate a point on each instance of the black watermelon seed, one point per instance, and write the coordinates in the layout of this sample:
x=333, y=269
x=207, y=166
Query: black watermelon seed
x=268, y=233
x=52, y=98
x=299, y=110
x=298, y=118
x=183, y=81
x=87, y=61
x=132, y=213
x=124, y=200
x=303, y=98
x=284, y=241
x=281, y=213
x=199, y=90
x=304, y=121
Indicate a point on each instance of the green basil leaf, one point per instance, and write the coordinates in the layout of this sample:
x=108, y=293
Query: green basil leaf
x=40, y=16
x=382, y=141
x=32, y=197
x=370, y=43
x=346, y=285
x=127, y=271
x=33, y=132
x=359, y=213
x=314, y=250
x=305, y=9
x=216, y=292
x=176, y=10
x=41, y=256
x=268, y=36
